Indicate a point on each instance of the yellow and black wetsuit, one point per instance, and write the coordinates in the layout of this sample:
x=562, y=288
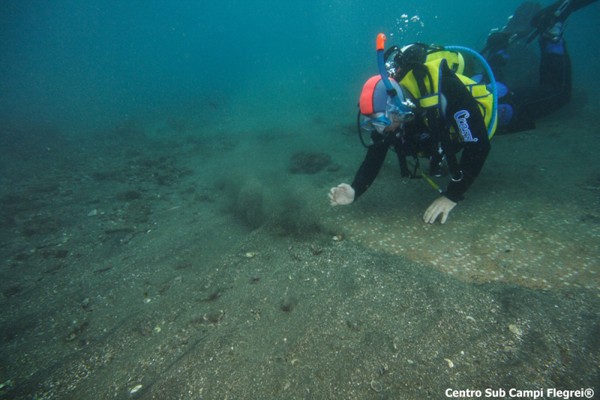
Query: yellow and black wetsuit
x=460, y=114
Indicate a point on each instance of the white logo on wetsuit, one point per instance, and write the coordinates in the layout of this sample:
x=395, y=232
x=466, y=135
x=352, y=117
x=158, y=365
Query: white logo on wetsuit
x=463, y=126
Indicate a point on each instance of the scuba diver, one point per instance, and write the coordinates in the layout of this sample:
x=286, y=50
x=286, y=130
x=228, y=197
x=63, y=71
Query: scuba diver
x=424, y=104
x=519, y=107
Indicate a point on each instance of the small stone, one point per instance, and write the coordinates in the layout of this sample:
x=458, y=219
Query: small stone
x=518, y=332
x=135, y=389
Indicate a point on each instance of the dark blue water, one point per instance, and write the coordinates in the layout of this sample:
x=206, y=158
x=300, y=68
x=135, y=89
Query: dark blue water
x=85, y=65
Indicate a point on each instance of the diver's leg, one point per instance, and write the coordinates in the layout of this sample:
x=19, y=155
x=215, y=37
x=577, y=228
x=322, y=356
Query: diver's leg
x=555, y=81
x=555, y=75
x=518, y=26
x=553, y=91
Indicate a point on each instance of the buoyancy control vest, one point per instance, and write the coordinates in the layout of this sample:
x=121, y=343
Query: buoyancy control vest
x=423, y=84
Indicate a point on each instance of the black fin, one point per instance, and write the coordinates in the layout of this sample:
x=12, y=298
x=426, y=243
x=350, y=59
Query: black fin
x=556, y=12
x=519, y=24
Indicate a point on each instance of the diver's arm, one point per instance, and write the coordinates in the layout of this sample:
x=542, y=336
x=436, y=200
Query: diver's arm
x=476, y=145
x=369, y=168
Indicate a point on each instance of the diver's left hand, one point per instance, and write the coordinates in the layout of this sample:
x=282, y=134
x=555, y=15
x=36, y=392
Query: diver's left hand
x=441, y=206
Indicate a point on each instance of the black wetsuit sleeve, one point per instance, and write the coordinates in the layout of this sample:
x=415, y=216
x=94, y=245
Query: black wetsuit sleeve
x=369, y=168
x=462, y=112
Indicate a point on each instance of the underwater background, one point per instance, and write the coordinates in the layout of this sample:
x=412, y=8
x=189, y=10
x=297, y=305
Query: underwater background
x=85, y=65
x=165, y=231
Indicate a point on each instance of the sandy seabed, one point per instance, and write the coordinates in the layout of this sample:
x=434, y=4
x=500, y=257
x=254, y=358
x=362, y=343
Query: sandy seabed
x=152, y=266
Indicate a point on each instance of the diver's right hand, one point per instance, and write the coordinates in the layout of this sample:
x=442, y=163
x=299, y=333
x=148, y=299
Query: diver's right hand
x=341, y=195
